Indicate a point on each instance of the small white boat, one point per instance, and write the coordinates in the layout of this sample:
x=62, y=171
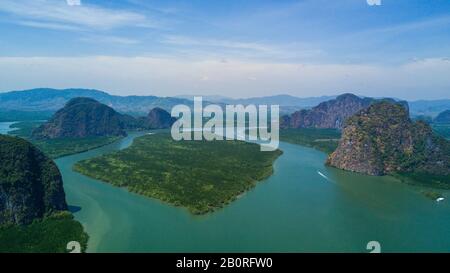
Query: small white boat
x=321, y=174
x=440, y=199
x=325, y=177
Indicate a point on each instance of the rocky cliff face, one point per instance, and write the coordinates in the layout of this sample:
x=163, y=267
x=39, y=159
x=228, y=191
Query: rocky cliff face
x=158, y=118
x=82, y=117
x=443, y=117
x=30, y=183
x=330, y=114
x=382, y=139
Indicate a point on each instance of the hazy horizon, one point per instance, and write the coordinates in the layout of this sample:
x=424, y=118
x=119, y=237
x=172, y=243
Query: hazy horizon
x=304, y=48
x=227, y=97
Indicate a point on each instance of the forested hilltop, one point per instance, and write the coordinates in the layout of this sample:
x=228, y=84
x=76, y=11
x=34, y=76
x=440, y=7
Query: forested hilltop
x=32, y=201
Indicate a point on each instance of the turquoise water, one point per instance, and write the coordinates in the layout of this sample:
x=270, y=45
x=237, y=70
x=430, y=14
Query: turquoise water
x=297, y=209
x=303, y=207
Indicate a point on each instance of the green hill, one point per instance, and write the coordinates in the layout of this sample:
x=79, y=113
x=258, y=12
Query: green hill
x=33, y=208
x=83, y=117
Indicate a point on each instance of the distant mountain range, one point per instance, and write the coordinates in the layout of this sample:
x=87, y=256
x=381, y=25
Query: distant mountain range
x=282, y=100
x=50, y=100
x=332, y=113
x=290, y=104
x=428, y=107
x=46, y=99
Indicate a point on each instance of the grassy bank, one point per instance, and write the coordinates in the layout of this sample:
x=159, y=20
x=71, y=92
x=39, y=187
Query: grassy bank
x=55, y=148
x=425, y=179
x=325, y=140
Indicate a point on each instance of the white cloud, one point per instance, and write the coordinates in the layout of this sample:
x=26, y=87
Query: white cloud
x=374, y=2
x=183, y=40
x=53, y=12
x=74, y=2
x=426, y=78
x=46, y=25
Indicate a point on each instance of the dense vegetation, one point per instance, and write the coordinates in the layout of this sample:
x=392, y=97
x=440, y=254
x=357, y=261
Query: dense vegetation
x=30, y=183
x=422, y=178
x=60, y=147
x=199, y=175
x=325, y=140
x=33, y=209
x=47, y=235
x=55, y=148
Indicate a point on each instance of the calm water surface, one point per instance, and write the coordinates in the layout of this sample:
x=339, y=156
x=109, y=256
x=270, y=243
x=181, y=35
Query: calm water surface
x=303, y=207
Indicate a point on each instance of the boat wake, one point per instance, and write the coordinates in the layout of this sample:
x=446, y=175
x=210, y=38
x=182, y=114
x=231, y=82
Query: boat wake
x=324, y=176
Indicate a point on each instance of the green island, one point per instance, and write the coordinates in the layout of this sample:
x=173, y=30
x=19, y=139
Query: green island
x=424, y=179
x=325, y=140
x=59, y=147
x=48, y=235
x=201, y=176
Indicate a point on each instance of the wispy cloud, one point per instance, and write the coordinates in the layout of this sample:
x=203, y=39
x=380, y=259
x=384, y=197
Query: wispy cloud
x=53, y=13
x=109, y=40
x=201, y=46
x=183, y=41
x=47, y=25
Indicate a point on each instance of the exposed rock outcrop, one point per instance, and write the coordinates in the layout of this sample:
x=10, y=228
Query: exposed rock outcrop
x=329, y=114
x=382, y=139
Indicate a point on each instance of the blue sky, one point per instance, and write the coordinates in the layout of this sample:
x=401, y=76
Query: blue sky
x=233, y=48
